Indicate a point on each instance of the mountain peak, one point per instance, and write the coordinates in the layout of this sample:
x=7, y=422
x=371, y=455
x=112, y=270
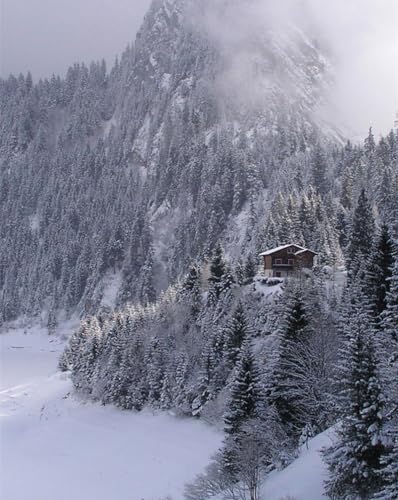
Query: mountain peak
x=248, y=68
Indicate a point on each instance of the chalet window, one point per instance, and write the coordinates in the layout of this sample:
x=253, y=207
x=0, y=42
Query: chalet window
x=278, y=261
x=290, y=250
x=290, y=262
x=277, y=274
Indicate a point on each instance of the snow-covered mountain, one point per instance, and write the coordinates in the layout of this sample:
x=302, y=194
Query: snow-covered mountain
x=113, y=182
x=253, y=78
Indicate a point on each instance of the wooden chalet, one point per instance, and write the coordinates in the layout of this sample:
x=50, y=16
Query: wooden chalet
x=286, y=260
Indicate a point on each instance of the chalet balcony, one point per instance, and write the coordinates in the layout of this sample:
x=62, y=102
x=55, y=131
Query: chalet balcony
x=283, y=263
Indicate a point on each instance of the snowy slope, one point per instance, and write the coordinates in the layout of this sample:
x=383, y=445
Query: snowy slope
x=56, y=447
x=303, y=479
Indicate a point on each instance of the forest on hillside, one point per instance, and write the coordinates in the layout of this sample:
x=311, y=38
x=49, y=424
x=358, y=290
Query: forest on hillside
x=273, y=361
x=127, y=176
x=78, y=207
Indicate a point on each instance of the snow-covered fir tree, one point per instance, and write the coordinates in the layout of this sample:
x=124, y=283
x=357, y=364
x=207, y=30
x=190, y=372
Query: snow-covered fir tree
x=378, y=272
x=293, y=335
x=355, y=460
x=360, y=241
x=245, y=404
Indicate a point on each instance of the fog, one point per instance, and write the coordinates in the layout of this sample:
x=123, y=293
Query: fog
x=363, y=36
x=360, y=37
x=46, y=36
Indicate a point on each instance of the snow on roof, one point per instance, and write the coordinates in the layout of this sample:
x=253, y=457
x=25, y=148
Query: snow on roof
x=305, y=250
x=277, y=249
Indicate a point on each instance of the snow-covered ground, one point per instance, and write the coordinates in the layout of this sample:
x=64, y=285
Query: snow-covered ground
x=55, y=447
x=304, y=478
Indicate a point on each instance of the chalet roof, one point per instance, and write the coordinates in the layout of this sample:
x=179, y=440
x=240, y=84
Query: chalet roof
x=305, y=250
x=278, y=249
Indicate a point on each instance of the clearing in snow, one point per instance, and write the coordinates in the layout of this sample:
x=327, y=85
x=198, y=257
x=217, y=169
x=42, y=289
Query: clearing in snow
x=55, y=446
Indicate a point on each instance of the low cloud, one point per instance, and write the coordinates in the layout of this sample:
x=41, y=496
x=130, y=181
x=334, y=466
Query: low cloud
x=363, y=37
x=360, y=37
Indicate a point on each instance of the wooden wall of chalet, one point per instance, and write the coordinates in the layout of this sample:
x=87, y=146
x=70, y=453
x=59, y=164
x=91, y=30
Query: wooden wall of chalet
x=305, y=260
x=267, y=261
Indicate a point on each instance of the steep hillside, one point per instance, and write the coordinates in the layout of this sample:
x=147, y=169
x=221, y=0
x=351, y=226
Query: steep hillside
x=205, y=130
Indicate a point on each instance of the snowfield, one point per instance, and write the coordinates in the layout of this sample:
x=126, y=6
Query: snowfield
x=55, y=446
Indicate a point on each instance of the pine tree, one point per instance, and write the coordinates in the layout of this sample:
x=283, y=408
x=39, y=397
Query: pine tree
x=191, y=279
x=130, y=372
x=213, y=368
x=217, y=272
x=155, y=366
x=355, y=459
x=293, y=335
x=240, y=273
x=390, y=314
x=250, y=268
x=180, y=390
x=319, y=168
x=147, y=292
x=73, y=350
x=245, y=404
x=245, y=392
x=84, y=369
x=114, y=348
x=360, y=242
x=369, y=145
x=221, y=278
x=378, y=273
x=227, y=281
x=389, y=340
x=137, y=390
x=235, y=332
x=192, y=291
x=389, y=473
x=166, y=393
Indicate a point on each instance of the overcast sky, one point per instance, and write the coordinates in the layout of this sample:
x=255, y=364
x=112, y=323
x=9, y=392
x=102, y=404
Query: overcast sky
x=47, y=36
